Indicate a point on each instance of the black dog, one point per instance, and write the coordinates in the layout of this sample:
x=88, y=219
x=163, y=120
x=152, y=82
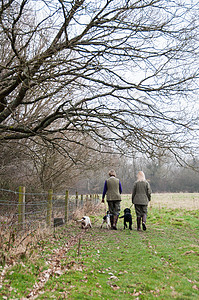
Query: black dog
x=127, y=218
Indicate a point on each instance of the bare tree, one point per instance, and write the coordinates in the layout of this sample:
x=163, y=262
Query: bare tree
x=16, y=167
x=119, y=71
x=64, y=167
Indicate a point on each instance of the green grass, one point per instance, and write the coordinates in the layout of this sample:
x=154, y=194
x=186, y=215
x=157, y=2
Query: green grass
x=161, y=263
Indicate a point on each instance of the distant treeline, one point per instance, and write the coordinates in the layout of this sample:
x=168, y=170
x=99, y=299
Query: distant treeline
x=45, y=168
x=165, y=177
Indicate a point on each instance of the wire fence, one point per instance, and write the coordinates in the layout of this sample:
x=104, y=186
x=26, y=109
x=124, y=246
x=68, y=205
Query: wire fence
x=24, y=211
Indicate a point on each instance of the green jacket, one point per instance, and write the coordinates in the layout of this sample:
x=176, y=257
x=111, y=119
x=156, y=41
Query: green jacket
x=141, y=193
x=113, y=189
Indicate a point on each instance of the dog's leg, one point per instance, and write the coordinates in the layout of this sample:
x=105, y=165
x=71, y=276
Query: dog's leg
x=130, y=225
x=125, y=225
x=104, y=221
x=108, y=223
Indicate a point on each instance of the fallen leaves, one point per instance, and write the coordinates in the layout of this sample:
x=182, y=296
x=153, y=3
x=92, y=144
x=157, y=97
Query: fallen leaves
x=123, y=272
x=114, y=286
x=111, y=282
x=113, y=278
x=55, y=268
x=73, y=265
x=195, y=287
x=190, y=252
x=135, y=293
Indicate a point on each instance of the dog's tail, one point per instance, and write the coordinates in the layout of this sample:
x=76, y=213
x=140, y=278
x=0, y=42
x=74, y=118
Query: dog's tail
x=121, y=217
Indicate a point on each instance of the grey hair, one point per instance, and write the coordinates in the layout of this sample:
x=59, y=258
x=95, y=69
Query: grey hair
x=141, y=176
x=112, y=173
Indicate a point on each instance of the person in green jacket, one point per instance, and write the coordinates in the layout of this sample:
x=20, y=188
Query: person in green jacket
x=113, y=190
x=141, y=195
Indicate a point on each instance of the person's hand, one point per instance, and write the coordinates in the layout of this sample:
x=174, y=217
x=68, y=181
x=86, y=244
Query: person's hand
x=102, y=200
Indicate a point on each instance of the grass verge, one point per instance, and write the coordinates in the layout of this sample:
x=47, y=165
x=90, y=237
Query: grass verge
x=160, y=263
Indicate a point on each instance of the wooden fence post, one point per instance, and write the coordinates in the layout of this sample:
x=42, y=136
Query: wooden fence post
x=76, y=200
x=82, y=200
x=49, y=207
x=66, y=206
x=87, y=201
x=21, y=207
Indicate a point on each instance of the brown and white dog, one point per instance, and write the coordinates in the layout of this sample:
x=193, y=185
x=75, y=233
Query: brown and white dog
x=85, y=222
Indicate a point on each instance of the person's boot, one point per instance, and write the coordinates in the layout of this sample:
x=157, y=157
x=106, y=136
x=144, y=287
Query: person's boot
x=115, y=218
x=138, y=223
x=144, y=222
x=111, y=220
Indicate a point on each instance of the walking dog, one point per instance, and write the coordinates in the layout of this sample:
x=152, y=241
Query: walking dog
x=127, y=218
x=85, y=222
x=106, y=219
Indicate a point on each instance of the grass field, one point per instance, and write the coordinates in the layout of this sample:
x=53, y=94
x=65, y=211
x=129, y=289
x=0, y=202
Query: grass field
x=188, y=201
x=160, y=263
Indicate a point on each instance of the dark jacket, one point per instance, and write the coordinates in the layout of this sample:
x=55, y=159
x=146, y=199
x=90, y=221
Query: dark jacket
x=141, y=193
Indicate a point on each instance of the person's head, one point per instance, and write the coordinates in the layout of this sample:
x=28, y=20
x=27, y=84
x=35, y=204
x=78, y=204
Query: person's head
x=141, y=176
x=112, y=173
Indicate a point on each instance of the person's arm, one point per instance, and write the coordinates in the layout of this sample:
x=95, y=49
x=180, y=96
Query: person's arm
x=148, y=191
x=120, y=187
x=134, y=191
x=104, y=191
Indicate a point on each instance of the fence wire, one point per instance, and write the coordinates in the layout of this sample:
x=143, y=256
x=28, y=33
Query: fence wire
x=35, y=211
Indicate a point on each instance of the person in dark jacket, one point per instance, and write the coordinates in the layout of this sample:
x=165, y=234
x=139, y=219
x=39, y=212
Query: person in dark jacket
x=141, y=195
x=113, y=190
